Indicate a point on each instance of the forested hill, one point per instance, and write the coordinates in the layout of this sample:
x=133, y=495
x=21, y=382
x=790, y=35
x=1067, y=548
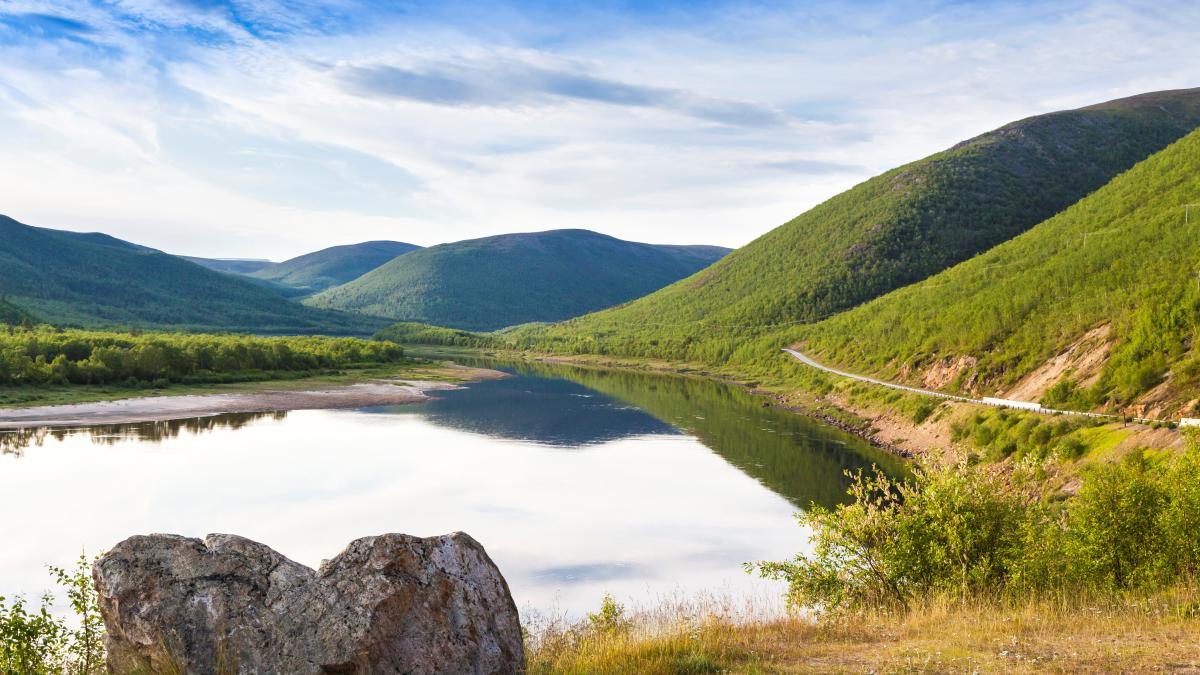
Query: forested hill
x=97, y=280
x=11, y=314
x=892, y=230
x=493, y=282
x=1101, y=303
x=328, y=267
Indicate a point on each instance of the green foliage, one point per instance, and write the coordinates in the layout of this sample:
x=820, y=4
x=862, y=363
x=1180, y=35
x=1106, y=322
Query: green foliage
x=1121, y=258
x=13, y=315
x=1003, y=433
x=96, y=280
x=44, y=355
x=408, y=333
x=899, y=228
x=965, y=531
x=490, y=283
x=1113, y=524
x=956, y=530
x=610, y=618
x=36, y=642
x=329, y=267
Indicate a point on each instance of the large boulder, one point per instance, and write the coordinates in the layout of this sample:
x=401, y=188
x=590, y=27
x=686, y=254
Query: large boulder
x=387, y=604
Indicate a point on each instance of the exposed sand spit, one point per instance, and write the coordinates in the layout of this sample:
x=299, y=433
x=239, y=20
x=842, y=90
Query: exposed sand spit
x=161, y=408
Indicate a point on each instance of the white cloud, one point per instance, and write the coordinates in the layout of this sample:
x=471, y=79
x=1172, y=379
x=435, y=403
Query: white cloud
x=693, y=128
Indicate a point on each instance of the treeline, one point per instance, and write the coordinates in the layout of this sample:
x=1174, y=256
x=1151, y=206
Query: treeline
x=965, y=532
x=44, y=355
x=413, y=333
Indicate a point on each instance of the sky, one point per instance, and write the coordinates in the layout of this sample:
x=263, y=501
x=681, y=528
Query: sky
x=270, y=128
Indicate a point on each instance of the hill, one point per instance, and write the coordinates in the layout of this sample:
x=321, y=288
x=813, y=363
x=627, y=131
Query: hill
x=493, y=282
x=332, y=266
x=1098, y=306
x=97, y=280
x=892, y=230
x=12, y=315
x=230, y=265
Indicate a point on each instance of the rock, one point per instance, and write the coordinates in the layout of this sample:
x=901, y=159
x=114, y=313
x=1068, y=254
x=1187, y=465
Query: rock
x=387, y=604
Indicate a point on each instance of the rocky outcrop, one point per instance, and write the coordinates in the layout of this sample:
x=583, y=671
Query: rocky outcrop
x=387, y=604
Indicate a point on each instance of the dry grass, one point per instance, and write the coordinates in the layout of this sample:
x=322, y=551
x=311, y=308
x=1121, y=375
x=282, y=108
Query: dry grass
x=1067, y=635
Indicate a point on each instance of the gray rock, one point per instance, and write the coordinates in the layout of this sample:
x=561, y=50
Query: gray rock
x=387, y=604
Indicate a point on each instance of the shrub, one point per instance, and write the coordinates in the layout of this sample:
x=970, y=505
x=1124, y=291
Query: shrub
x=35, y=642
x=955, y=529
x=962, y=530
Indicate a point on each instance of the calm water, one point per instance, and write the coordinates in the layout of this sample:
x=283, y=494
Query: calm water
x=578, y=483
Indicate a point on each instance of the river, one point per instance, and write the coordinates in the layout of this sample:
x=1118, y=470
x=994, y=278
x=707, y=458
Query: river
x=579, y=482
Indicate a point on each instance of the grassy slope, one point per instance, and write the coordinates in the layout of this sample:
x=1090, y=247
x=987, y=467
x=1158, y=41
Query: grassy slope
x=1123, y=256
x=328, y=267
x=510, y=279
x=892, y=230
x=96, y=280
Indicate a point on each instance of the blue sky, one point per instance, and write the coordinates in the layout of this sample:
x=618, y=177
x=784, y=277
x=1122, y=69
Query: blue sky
x=265, y=128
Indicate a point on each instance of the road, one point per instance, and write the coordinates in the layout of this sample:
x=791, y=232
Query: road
x=891, y=385
x=803, y=358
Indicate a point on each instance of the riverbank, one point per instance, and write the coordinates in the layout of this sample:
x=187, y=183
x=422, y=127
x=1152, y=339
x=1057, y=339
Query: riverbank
x=1063, y=635
x=904, y=424
x=81, y=405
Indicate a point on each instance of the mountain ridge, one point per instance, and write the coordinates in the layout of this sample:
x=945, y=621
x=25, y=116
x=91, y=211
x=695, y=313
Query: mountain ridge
x=96, y=280
x=508, y=279
x=892, y=230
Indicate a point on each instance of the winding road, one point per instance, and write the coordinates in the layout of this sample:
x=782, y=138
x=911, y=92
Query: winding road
x=802, y=358
x=995, y=403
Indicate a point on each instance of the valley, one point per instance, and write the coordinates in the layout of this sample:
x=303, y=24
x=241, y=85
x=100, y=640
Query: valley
x=971, y=379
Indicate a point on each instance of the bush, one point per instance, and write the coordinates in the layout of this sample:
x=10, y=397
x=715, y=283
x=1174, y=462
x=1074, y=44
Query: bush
x=963, y=530
x=955, y=529
x=39, y=643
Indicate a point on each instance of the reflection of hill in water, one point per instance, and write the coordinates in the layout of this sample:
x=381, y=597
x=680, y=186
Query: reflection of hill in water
x=550, y=411
x=797, y=457
x=15, y=442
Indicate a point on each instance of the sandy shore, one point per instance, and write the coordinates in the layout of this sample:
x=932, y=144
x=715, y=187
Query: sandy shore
x=162, y=408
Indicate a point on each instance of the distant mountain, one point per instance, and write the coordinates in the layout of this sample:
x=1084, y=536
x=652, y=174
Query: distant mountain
x=1098, y=306
x=328, y=267
x=230, y=265
x=493, y=282
x=890, y=231
x=97, y=280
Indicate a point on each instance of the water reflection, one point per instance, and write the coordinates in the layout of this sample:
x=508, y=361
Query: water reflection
x=14, y=442
x=558, y=404
x=579, y=482
x=536, y=408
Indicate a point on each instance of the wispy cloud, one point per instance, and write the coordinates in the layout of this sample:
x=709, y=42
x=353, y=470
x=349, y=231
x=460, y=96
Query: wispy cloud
x=520, y=84
x=268, y=127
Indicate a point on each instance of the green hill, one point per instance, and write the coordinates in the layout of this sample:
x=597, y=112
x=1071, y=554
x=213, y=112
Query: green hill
x=12, y=315
x=489, y=283
x=329, y=267
x=890, y=231
x=1097, y=306
x=97, y=280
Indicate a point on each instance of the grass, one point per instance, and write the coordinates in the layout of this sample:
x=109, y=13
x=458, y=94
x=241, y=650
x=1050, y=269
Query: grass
x=1051, y=635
